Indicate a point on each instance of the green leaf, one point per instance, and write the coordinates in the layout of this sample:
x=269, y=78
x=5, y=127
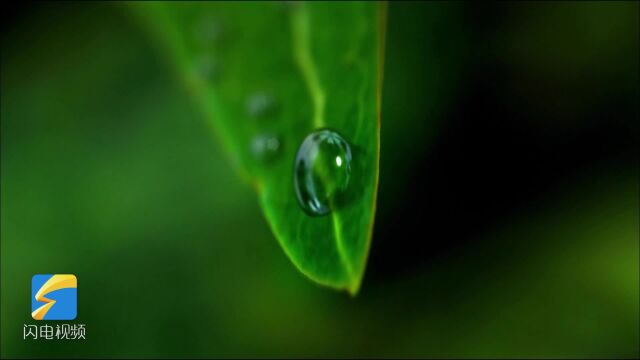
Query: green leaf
x=266, y=74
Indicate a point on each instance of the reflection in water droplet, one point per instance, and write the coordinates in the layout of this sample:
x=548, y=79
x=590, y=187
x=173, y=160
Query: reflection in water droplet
x=322, y=171
x=260, y=105
x=265, y=147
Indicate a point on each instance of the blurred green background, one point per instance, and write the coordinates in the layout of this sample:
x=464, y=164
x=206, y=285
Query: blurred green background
x=524, y=114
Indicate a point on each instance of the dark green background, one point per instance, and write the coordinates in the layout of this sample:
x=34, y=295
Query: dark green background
x=524, y=114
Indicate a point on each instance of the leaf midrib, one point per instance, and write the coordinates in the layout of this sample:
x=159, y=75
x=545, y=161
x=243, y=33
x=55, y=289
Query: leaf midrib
x=302, y=55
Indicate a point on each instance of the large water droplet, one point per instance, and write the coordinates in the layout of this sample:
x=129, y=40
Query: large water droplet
x=265, y=147
x=322, y=171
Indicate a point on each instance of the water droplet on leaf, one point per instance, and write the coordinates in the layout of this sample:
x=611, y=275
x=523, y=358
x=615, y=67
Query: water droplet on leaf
x=260, y=105
x=288, y=4
x=208, y=30
x=265, y=147
x=322, y=171
x=207, y=68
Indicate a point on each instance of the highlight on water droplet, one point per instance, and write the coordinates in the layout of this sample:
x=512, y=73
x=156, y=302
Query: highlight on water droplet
x=265, y=147
x=260, y=105
x=322, y=171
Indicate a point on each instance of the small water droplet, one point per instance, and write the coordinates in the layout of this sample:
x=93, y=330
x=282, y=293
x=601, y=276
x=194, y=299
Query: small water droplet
x=288, y=4
x=260, y=105
x=322, y=171
x=209, y=30
x=265, y=147
x=207, y=68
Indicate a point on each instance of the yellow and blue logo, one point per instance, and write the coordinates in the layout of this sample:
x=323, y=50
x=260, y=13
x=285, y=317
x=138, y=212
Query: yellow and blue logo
x=54, y=297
